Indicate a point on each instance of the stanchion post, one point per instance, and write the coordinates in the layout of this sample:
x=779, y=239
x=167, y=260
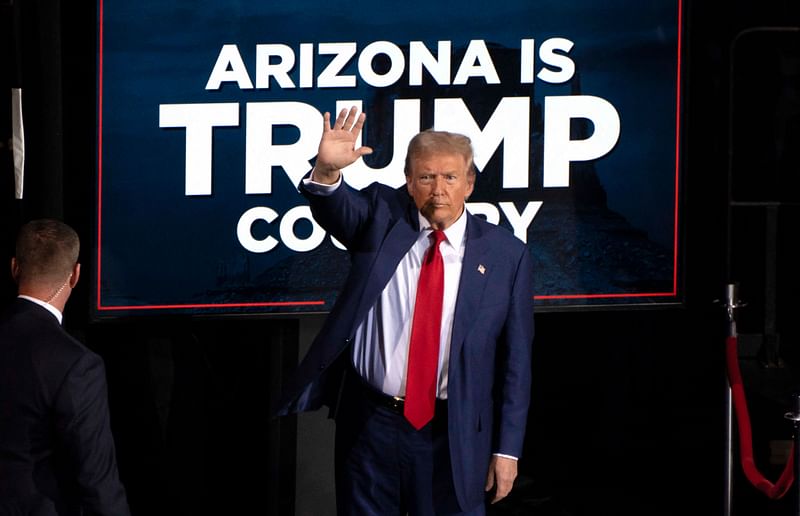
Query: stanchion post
x=795, y=418
x=731, y=304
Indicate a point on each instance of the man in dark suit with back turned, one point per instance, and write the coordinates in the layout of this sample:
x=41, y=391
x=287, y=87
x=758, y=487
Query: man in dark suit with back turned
x=56, y=450
x=425, y=357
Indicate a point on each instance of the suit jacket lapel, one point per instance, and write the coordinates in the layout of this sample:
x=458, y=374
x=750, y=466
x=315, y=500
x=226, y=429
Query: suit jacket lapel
x=471, y=286
x=398, y=241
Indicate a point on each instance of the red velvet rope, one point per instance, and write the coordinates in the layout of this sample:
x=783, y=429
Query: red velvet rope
x=780, y=488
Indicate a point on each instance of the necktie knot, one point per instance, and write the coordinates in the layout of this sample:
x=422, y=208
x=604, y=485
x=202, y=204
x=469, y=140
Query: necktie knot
x=437, y=237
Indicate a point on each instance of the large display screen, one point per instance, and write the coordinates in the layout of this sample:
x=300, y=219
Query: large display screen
x=209, y=114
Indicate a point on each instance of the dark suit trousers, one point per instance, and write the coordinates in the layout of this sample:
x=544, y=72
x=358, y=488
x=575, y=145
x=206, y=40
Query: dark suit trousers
x=386, y=467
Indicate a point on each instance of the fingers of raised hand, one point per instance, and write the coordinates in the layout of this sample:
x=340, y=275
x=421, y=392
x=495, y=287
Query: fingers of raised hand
x=341, y=119
x=347, y=120
x=359, y=123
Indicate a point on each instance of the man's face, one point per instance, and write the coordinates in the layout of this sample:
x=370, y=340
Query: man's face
x=440, y=185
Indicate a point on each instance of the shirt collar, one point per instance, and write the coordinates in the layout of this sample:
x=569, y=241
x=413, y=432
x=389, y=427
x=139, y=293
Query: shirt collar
x=454, y=234
x=50, y=308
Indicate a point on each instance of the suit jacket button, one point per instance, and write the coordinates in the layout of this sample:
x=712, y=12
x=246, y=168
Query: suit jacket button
x=322, y=366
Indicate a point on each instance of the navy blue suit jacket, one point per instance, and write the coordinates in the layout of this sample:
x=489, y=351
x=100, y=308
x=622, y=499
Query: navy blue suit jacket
x=56, y=448
x=490, y=353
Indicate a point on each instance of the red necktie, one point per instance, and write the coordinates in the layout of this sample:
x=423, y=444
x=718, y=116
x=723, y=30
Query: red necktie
x=423, y=350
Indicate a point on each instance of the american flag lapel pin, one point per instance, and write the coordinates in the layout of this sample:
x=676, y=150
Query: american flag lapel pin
x=481, y=269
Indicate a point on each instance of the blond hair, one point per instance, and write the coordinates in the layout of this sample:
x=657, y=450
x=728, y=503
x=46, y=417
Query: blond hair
x=430, y=142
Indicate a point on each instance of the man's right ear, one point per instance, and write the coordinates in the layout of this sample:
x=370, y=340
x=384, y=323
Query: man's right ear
x=76, y=273
x=14, y=269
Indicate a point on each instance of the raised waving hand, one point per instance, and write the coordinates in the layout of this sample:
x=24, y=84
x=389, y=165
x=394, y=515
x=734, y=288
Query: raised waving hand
x=337, y=146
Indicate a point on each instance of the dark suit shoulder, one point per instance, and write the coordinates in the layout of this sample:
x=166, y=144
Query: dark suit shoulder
x=379, y=193
x=27, y=320
x=32, y=338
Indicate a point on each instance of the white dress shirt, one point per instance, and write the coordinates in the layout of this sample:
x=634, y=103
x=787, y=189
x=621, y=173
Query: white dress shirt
x=380, y=346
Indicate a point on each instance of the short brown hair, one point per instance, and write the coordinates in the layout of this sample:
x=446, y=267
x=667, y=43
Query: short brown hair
x=47, y=250
x=430, y=142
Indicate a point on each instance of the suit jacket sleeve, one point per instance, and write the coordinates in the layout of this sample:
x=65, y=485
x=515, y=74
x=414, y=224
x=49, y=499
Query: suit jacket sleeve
x=344, y=212
x=82, y=424
x=514, y=364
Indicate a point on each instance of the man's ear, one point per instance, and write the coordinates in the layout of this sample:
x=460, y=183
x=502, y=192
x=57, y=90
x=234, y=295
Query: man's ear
x=14, y=269
x=76, y=273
